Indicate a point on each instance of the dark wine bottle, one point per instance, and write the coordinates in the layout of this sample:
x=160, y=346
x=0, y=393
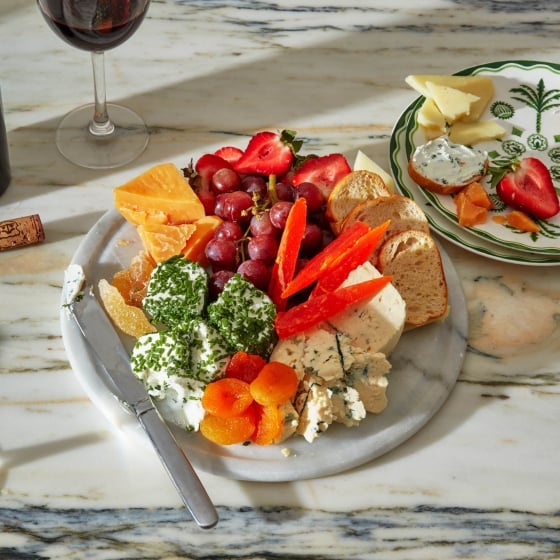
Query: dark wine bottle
x=5, y=174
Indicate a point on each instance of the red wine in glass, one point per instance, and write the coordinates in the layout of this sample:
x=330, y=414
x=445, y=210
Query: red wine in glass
x=94, y=26
x=88, y=136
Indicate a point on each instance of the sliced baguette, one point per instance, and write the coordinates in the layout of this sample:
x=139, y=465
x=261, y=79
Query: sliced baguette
x=351, y=190
x=403, y=213
x=412, y=258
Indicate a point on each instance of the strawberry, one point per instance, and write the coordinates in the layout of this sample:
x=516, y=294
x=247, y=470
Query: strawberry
x=526, y=185
x=323, y=171
x=268, y=153
x=230, y=153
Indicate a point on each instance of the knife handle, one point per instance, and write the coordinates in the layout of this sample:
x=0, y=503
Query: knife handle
x=179, y=469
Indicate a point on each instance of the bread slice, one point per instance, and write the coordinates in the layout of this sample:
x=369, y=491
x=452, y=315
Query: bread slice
x=351, y=190
x=444, y=167
x=413, y=259
x=403, y=213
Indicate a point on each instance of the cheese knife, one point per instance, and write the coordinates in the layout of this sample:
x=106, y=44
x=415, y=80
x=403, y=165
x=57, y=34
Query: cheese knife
x=102, y=338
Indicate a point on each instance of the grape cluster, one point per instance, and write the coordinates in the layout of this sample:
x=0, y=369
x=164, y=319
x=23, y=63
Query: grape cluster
x=254, y=213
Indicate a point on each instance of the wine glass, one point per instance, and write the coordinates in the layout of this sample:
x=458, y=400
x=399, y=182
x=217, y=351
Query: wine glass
x=98, y=135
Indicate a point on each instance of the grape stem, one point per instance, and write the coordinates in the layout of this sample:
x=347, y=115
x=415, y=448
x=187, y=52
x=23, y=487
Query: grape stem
x=273, y=194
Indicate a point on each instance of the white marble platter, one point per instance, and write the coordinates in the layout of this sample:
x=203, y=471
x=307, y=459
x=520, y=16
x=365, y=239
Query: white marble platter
x=532, y=130
x=425, y=367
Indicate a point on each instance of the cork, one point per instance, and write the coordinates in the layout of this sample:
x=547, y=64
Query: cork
x=19, y=232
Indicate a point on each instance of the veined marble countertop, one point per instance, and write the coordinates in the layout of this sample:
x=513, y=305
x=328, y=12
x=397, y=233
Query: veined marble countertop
x=480, y=480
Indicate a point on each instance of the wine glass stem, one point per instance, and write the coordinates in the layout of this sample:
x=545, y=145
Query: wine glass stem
x=101, y=124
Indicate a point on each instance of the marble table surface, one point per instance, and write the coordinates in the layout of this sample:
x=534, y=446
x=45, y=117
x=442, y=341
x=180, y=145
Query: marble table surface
x=480, y=480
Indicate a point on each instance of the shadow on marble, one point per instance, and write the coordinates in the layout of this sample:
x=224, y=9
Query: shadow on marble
x=23, y=455
x=315, y=85
x=72, y=226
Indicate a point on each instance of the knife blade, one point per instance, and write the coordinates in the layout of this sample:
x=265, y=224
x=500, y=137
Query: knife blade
x=100, y=335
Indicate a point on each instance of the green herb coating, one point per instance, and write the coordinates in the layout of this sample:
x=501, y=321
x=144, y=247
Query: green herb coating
x=244, y=316
x=177, y=291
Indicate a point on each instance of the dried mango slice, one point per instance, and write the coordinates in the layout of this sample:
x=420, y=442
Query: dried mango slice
x=129, y=319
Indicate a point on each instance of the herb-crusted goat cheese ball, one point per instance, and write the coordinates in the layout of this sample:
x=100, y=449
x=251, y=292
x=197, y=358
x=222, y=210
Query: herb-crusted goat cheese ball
x=245, y=317
x=177, y=291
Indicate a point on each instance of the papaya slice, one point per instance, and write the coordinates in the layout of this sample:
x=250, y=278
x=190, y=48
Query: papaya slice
x=468, y=213
x=518, y=220
x=478, y=196
x=205, y=228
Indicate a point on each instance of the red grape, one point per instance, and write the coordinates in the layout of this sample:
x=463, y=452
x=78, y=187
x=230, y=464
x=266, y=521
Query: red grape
x=229, y=230
x=254, y=184
x=284, y=191
x=263, y=248
x=261, y=225
x=312, y=194
x=222, y=254
x=279, y=213
x=257, y=272
x=312, y=241
x=225, y=180
x=217, y=282
x=234, y=206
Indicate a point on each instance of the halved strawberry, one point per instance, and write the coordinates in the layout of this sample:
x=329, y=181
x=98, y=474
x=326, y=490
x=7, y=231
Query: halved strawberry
x=230, y=153
x=268, y=153
x=323, y=171
x=528, y=186
x=208, y=164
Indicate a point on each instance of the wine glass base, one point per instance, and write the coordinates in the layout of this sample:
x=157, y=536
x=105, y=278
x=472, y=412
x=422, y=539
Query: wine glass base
x=76, y=143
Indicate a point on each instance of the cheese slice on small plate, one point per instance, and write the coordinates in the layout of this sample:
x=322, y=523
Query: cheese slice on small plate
x=367, y=164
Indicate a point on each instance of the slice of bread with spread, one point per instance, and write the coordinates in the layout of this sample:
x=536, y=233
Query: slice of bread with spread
x=412, y=258
x=443, y=167
x=351, y=190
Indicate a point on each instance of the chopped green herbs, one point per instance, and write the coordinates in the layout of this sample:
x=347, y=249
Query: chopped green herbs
x=245, y=317
x=177, y=291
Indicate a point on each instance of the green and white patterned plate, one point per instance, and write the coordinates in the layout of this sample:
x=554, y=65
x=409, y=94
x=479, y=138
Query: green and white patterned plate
x=527, y=104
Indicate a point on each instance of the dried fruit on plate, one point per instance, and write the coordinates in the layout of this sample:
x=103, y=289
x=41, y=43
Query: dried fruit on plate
x=131, y=320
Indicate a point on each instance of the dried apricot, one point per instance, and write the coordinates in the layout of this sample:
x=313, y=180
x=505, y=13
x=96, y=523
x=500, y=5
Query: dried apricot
x=275, y=384
x=227, y=431
x=269, y=424
x=244, y=366
x=226, y=397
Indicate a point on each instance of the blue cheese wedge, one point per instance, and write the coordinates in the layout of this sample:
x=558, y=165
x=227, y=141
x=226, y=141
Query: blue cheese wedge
x=340, y=382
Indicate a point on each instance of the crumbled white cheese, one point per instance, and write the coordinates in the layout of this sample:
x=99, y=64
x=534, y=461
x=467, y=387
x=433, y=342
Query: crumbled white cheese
x=314, y=405
x=348, y=409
